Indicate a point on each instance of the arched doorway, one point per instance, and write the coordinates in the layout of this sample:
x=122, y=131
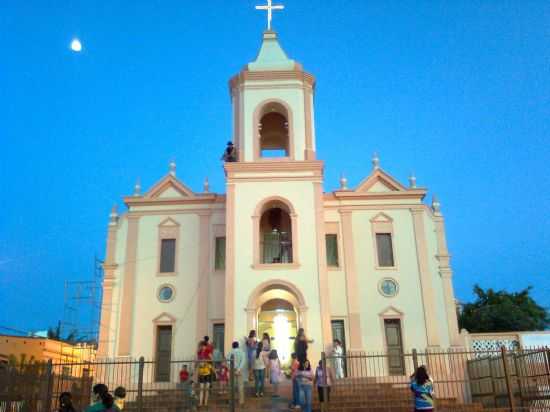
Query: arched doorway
x=278, y=308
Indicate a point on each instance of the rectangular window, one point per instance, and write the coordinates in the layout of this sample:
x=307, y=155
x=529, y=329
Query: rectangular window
x=219, y=263
x=385, y=250
x=332, y=250
x=168, y=256
x=219, y=336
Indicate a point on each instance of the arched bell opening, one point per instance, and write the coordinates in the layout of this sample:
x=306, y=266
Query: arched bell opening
x=276, y=234
x=274, y=131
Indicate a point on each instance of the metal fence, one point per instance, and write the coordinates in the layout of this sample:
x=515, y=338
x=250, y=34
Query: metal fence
x=374, y=382
x=463, y=381
x=149, y=386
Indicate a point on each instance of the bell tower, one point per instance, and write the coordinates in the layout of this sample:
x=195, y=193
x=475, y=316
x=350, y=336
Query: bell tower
x=272, y=99
x=275, y=231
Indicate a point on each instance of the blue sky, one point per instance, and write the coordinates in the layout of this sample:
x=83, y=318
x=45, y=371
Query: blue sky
x=457, y=91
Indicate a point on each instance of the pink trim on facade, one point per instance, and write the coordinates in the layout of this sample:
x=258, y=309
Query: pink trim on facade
x=204, y=277
x=230, y=266
x=127, y=304
x=352, y=282
x=324, y=296
x=426, y=284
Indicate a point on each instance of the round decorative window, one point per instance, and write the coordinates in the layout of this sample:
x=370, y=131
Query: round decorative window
x=388, y=287
x=166, y=293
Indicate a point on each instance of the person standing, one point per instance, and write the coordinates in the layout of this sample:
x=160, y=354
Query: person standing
x=323, y=381
x=301, y=345
x=422, y=387
x=259, y=371
x=251, y=346
x=275, y=372
x=294, y=364
x=223, y=377
x=238, y=367
x=305, y=383
x=266, y=350
x=338, y=356
x=205, y=379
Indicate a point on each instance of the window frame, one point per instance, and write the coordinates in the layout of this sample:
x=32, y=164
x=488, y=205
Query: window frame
x=337, y=266
x=217, y=269
x=383, y=224
x=377, y=235
x=168, y=229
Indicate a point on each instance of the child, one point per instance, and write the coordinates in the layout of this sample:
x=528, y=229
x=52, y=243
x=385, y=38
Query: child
x=205, y=379
x=323, y=381
x=120, y=394
x=186, y=385
x=422, y=387
x=223, y=377
x=275, y=372
x=259, y=371
x=66, y=402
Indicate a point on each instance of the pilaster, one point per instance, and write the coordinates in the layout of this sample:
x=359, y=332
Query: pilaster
x=324, y=297
x=128, y=292
x=426, y=284
x=204, y=275
x=352, y=282
x=230, y=266
x=446, y=273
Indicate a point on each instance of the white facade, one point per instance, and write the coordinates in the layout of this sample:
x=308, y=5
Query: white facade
x=275, y=219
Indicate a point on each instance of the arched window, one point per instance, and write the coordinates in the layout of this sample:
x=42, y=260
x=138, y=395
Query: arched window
x=276, y=233
x=273, y=128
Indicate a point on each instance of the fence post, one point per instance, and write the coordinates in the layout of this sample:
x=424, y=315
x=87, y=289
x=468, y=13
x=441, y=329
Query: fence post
x=140, y=384
x=415, y=360
x=324, y=404
x=232, y=382
x=49, y=387
x=508, y=379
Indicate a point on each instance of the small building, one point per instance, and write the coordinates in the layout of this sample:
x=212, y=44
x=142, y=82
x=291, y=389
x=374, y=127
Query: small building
x=24, y=349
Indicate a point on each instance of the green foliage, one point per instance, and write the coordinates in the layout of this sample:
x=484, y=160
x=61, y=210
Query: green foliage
x=501, y=311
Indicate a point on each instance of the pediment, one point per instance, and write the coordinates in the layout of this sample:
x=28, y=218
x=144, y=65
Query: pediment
x=380, y=182
x=169, y=188
x=381, y=218
x=391, y=311
x=164, y=318
x=169, y=222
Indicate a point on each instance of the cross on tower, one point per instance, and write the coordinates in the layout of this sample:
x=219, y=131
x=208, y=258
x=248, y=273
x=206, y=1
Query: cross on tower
x=269, y=7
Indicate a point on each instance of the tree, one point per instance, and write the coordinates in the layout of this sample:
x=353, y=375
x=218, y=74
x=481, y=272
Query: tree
x=501, y=311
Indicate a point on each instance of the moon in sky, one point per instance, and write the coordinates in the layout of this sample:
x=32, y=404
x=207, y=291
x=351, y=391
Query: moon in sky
x=76, y=46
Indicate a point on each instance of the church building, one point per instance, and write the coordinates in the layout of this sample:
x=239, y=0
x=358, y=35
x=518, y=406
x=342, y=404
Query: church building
x=368, y=265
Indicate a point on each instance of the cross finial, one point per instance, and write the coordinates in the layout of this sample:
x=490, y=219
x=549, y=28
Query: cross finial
x=412, y=181
x=269, y=7
x=172, y=167
x=343, y=182
x=375, y=161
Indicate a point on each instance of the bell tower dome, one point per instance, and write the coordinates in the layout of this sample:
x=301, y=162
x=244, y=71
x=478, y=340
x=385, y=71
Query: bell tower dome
x=272, y=99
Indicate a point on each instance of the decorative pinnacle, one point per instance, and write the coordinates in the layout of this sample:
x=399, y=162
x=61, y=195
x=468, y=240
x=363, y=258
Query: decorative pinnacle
x=436, y=206
x=343, y=182
x=137, y=188
x=113, y=216
x=412, y=181
x=206, y=185
x=375, y=161
x=172, y=168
